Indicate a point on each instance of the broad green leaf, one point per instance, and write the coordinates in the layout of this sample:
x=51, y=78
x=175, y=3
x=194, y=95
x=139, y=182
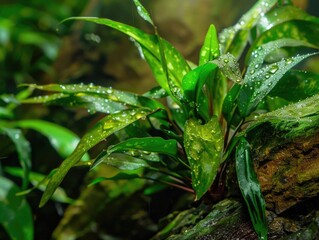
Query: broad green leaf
x=39, y=181
x=121, y=161
x=143, y=12
x=94, y=97
x=283, y=14
x=148, y=144
x=62, y=139
x=204, y=146
x=16, y=215
x=119, y=176
x=296, y=85
x=104, y=128
x=295, y=119
x=234, y=39
x=177, y=66
x=210, y=48
x=259, y=83
x=305, y=31
x=24, y=151
x=250, y=188
x=192, y=85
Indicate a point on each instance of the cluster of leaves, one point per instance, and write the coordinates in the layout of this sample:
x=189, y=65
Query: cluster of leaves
x=17, y=217
x=209, y=108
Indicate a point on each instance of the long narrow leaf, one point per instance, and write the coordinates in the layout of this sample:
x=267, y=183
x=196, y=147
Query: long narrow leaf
x=210, y=48
x=250, y=188
x=176, y=65
x=260, y=83
x=24, y=151
x=98, y=133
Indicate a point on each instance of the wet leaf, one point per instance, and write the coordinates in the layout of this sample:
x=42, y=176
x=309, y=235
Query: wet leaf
x=192, y=85
x=283, y=14
x=204, y=146
x=92, y=97
x=305, y=31
x=121, y=161
x=24, y=151
x=16, y=215
x=295, y=119
x=230, y=101
x=296, y=85
x=104, y=128
x=259, y=83
x=228, y=65
x=62, y=139
x=176, y=65
x=149, y=144
x=143, y=12
x=250, y=188
x=235, y=38
x=210, y=48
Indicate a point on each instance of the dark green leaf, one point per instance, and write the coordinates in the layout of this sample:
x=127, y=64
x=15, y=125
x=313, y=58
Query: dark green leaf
x=62, y=139
x=229, y=103
x=98, y=133
x=119, y=176
x=192, y=85
x=250, y=188
x=204, y=146
x=296, y=85
x=16, y=216
x=177, y=66
x=121, y=161
x=149, y=144
x=307, y=32
x=257, y=84
x=210, y=48
x=39, y=181
x=24, y=151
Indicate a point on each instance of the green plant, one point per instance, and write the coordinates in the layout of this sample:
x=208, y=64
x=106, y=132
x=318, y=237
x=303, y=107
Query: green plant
x=210, y=109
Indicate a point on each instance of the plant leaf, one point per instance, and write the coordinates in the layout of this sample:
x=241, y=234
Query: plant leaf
x=119, y=176
x=39, y=181
x=62, y=139
x=295, y=119
x=204, y=146
x=107, y=126
x=177, y=66
x=16, y=215
x=210, y=48
x=192, y=85
x=250, y=188
x=296, y=85
x=143, y=12
x=92, y=97
x=234, y=39
x=258, y=84
x=121, y=161
x=24, y=151
x=149, y=144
